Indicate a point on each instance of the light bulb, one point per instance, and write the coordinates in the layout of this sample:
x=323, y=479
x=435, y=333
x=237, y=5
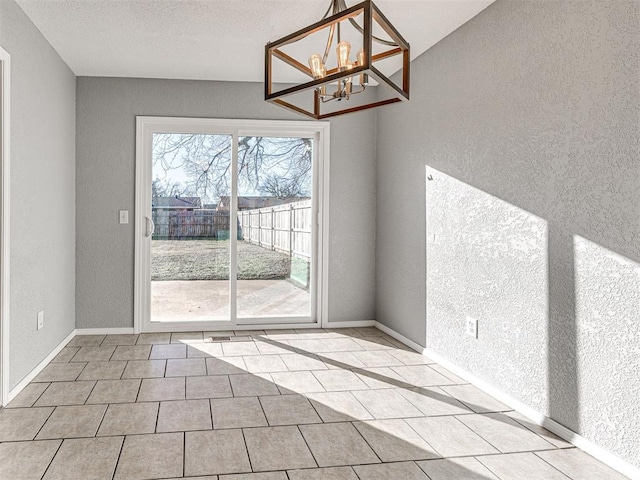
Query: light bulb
x=360, y=57
x=317, y=68
x=342, y=52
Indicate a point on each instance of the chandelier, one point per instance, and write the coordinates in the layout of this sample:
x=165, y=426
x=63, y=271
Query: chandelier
x=351, y=60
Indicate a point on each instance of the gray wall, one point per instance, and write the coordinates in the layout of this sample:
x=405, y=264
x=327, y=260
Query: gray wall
x=527, y=120
x=106, y=111
x=42, y=192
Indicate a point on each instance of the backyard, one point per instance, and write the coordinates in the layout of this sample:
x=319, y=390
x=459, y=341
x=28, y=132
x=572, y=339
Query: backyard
x=190, y=281
x=209, y=260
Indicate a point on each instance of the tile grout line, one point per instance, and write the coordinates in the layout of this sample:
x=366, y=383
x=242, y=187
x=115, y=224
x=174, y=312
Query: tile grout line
x=43, y=423
x=404, y=420
x=126, y=364
x=72, y=356
x=418, y=433
x=246, y=449
x=184, y=453
x=308, y=447
x=95, y=383
x=114, y=435
x=550, y=464
x=367, y=442
x=263, y=410
x=138, y=390
x=114, y=349
x=115, y=468
x=104, y=414
x=476, y=433
x=39, y=396
x=373, y=417
x=527, y=428
x=518, y=424
x=155, y=428
x=52, y=458
x=313, y=406
x=358, y=476
x=211, y=413
x=233, y=395
x=81, y=370
x=486, y=466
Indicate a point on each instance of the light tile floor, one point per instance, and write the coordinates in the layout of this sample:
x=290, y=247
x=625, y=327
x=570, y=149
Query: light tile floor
x=350, y=404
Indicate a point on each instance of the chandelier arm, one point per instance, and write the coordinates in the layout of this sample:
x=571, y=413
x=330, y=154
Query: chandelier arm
x=329, y=11
x=334, y=8
x=337, y=6
x=330, y=97
x=329, y=42
x=375, y=39
x=343, y=6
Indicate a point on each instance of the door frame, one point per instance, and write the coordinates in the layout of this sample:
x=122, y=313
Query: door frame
x=146, y=126
x=5, y=110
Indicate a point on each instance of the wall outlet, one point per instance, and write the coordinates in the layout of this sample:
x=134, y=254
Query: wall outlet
x=40, y=319
x=471, y=327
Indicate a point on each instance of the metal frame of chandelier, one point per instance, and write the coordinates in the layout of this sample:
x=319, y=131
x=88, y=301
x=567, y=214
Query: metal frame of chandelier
x=348, y=78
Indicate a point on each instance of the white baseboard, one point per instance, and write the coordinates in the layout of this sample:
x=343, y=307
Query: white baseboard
x=536, y=417
x=255, y=326
x=266, y=326
x=401, y=338
x=104, y=331
x=350, y=324
x=13, y=393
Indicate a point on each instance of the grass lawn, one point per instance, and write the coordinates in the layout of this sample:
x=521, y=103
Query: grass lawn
x=209, y=260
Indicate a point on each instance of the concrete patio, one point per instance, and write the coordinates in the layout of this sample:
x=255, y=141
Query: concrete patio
x=201, y=300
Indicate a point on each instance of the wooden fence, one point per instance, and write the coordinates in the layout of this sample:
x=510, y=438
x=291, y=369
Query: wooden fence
x=283, y=228
x=192, y=224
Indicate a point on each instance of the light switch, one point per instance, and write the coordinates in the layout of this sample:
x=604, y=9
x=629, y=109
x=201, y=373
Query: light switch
x=124, y=217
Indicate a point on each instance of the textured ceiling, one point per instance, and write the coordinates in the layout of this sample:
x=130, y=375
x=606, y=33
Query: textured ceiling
x=209, y=39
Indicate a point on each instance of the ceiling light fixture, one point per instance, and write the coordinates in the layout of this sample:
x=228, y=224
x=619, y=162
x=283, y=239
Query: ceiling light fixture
x=334, y=85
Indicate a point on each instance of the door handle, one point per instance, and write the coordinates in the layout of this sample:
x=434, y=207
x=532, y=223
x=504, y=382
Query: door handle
x=151, y=227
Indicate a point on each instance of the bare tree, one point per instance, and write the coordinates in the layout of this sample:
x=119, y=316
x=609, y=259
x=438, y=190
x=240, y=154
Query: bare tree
x=280, y=167
x=270, y=166
x=165, y=188
x=205, y=160
x=280, y=187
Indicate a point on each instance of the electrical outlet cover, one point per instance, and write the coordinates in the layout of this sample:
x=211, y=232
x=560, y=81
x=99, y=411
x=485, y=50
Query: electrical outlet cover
x=471, y=327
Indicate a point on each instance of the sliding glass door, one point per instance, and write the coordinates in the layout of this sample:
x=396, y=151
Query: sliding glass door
x=274, y=217
x=228, y=223
x=190, y=240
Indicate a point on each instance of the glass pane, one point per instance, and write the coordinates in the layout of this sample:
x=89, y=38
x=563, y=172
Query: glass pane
x=190, y=246
x=274, y=226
